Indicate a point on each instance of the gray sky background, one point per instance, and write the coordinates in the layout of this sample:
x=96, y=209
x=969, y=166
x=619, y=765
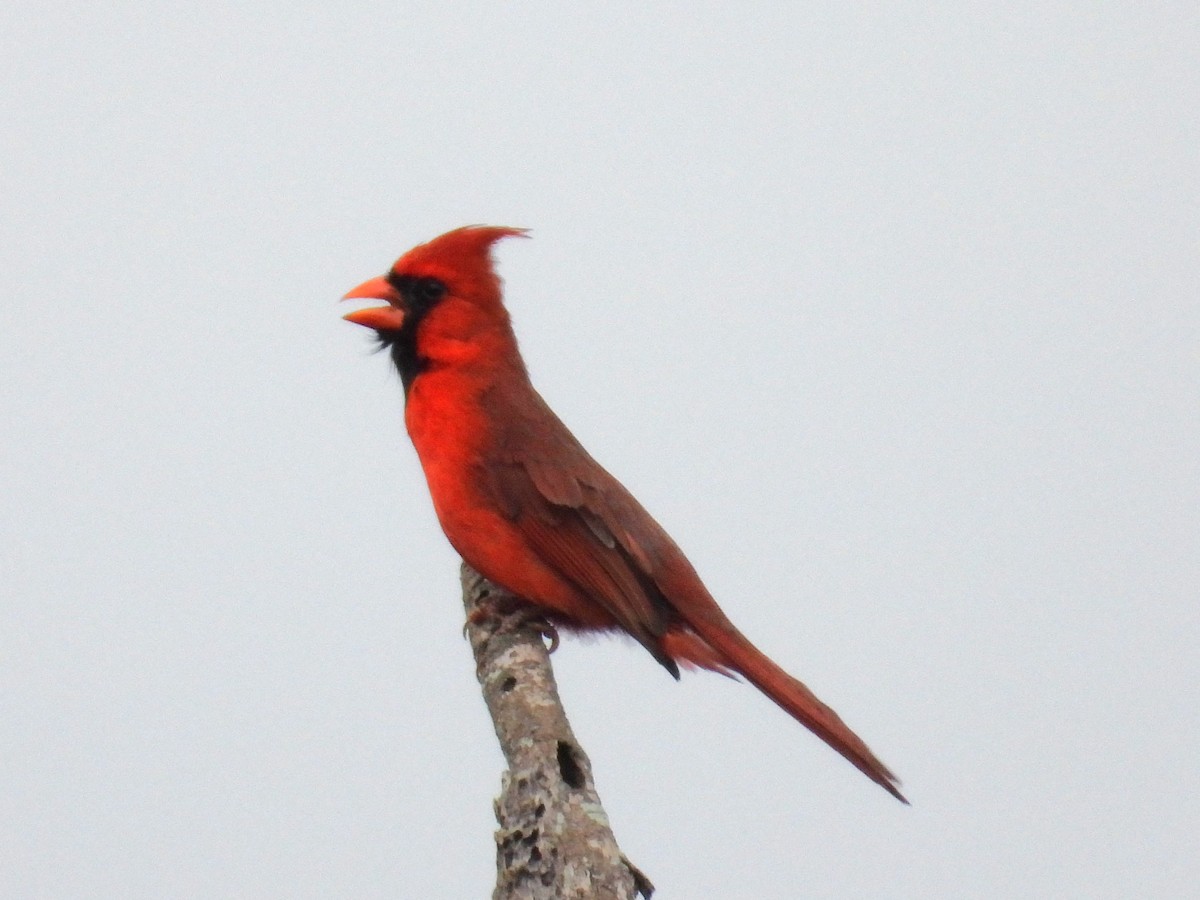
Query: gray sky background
x=890, y=316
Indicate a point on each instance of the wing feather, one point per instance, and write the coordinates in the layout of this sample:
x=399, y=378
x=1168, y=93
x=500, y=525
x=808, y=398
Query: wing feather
x=570, y=526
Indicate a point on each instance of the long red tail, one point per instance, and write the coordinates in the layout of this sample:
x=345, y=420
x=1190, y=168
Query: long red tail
x=791, y=695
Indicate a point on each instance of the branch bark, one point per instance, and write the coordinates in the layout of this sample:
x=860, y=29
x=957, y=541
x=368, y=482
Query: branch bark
x=554, y=839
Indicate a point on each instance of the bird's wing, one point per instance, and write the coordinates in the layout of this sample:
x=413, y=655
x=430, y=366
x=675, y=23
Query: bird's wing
x=569, y=510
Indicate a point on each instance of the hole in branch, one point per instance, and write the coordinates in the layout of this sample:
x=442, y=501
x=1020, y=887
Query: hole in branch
x=568, y=766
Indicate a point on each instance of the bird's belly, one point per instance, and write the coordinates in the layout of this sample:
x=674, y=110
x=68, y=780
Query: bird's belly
x=494, y=546
x=452, y=449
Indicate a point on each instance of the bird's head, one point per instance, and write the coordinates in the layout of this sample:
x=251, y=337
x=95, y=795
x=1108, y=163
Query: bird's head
x=452, y=272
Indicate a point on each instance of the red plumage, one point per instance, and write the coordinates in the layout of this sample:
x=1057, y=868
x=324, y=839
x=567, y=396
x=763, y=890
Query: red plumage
x=526, y=506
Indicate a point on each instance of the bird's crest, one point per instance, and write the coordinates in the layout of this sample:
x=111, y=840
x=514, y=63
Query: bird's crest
x=462, y=258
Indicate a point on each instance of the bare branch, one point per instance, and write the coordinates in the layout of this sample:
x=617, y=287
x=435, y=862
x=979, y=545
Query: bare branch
x=554, y=839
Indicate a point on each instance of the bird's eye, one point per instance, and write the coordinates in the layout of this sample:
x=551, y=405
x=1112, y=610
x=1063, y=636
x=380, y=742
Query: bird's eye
x=428, y=290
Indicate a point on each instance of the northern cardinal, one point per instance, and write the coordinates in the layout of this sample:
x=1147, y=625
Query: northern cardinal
x=523, y=502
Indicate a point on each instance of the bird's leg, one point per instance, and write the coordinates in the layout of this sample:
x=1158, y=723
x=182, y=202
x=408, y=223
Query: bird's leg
x=532, y=617
x=504, y=614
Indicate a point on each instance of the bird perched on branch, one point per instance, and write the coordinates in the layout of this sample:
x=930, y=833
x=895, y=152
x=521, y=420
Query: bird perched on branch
x=526, y=506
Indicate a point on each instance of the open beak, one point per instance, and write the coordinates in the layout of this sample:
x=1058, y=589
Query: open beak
x=381, y=318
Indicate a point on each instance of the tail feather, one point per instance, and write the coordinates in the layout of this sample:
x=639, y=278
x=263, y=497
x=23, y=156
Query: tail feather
x=737, y=654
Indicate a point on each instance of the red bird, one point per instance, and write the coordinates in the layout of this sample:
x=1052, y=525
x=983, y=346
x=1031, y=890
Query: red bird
x=523, y=502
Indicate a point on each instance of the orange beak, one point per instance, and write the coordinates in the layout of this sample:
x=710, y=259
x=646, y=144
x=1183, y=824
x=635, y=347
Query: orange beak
x=381, y=318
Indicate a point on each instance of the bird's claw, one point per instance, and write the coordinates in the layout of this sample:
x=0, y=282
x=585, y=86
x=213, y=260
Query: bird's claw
x=505, y=618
